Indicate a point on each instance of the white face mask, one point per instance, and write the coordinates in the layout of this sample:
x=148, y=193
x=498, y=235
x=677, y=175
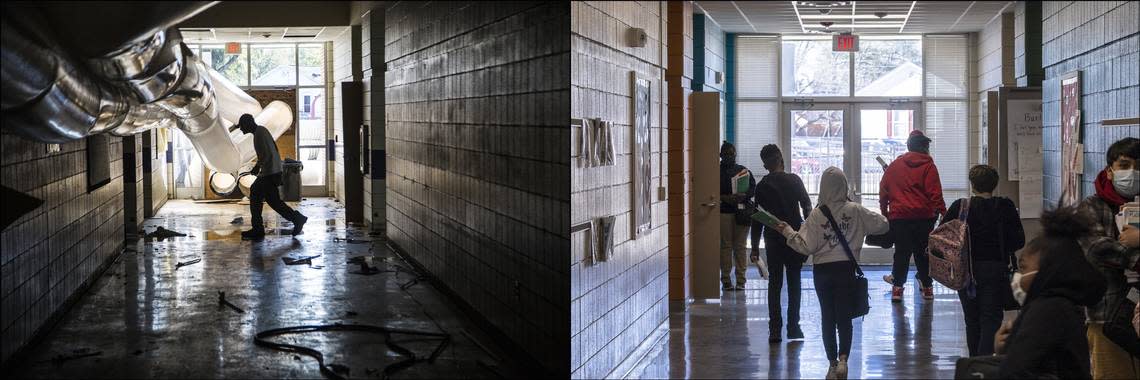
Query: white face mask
x=1015, y=285
x=1126, y=182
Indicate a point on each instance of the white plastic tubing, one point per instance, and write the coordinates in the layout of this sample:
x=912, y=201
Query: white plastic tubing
x=230, y=152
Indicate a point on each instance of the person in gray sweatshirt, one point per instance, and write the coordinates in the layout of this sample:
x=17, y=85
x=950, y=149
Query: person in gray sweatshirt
x=264, y=188
x=833, y=271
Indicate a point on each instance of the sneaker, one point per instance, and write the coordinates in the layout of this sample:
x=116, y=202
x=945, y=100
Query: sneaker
x=896, y=293
x=841, y=370
x=890, y=279
x=253, y=234
x=774, y=335
x=794, y=332
x=927, y=292
x=299, y=223
x=740, y=286
x=727, y=287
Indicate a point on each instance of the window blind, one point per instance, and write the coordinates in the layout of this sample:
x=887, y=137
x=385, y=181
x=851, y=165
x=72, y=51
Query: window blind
x=946, y=59
x=757, y=66
x=757, y=124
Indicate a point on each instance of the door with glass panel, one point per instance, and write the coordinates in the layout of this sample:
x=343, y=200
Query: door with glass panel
x=816, y=138
x=881, y=130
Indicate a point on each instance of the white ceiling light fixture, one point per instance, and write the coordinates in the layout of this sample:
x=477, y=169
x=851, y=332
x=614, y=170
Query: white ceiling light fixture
x=907, y=18
x=857, y=17
x=798, y=17
x=859, y=26
x=821, y=3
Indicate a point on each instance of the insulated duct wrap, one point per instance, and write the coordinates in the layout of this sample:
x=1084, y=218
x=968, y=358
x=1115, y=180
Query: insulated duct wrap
x=148, y=80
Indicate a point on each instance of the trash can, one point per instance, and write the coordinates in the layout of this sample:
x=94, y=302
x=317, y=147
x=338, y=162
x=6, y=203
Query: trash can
x=291, y=180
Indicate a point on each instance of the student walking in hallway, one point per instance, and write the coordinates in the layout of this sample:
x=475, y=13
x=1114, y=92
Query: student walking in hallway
x=784, y=196
x=910, y=196
x=995, y=234
x=264, y=189
x=835, y=253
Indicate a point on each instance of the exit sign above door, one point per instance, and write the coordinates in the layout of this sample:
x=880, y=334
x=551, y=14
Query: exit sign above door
x=844, y=42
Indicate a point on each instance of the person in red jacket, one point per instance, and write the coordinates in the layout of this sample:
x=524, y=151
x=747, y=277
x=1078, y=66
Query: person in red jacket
x=910, y=196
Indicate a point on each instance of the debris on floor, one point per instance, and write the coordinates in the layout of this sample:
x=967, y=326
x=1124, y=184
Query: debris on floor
x=222, y=301
x=215, y=200
x=339, y=371
x=162, y=233
x=185, y=263
x=238, y=220
x=350, y=240
x=75, y=354
x=299, y=261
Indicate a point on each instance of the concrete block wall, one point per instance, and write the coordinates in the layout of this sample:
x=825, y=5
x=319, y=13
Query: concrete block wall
x=58, y=248
x=993, y=68
x=709, y=48
x=342, y=72
x=158, y=176
x=1102, y=40
x=679, y=75
x=616, y=304
x=1027, y=43
x=477, y=106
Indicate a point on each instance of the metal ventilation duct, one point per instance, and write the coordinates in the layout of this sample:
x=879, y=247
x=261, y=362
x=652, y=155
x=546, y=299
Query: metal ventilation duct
x=119, y=75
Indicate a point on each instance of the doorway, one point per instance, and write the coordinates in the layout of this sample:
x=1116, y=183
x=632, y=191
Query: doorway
x=850, y=136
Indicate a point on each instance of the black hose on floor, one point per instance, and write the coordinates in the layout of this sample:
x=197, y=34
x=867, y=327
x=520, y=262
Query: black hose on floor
x=410, y=358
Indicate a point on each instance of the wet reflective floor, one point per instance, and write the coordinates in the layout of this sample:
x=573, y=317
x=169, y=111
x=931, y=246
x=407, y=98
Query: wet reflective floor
x=728, y=338
x=156, y=313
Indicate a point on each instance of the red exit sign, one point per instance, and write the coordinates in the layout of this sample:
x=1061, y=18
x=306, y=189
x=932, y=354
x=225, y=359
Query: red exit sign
x=845, y=42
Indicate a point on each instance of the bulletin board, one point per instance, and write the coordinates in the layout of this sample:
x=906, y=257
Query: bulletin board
x=1072, y=151
x=642, y=158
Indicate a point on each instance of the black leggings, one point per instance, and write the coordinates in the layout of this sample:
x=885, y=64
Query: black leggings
x=983, y=313
x=264, y=189
x=833, y=284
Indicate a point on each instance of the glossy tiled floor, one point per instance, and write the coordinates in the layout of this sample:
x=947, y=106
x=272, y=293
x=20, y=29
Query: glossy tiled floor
x=728, y=338
x=148, y=317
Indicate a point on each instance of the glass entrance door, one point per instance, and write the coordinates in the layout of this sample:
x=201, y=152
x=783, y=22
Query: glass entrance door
x=816, y=139
x=882, y=129
x=849, y=136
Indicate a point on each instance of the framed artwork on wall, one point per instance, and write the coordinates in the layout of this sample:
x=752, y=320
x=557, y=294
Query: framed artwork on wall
x=1072, y=151
x=642, y=158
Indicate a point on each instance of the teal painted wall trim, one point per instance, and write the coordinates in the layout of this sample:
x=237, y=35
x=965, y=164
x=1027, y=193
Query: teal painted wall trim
x=730, y=87
x=698, y=52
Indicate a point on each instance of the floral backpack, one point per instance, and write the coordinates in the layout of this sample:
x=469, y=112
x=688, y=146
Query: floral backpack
x=949, y=251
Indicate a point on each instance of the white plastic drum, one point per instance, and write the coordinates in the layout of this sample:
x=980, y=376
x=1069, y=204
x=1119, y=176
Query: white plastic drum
x=245, y=181
x=222, y=184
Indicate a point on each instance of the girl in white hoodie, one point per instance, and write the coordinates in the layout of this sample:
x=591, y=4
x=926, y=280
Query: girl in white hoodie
x=833, y=271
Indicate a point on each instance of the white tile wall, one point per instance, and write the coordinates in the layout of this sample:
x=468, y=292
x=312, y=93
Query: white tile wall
x=477, y=103
x=617, y=303
x=48, y=254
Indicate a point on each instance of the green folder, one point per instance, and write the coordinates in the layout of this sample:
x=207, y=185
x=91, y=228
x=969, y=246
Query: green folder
x=741, y=182
x=763, y=216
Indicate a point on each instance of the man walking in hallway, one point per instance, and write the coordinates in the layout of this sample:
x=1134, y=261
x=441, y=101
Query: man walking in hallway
x=782, y=194
x=910, y=196
x=264, y=189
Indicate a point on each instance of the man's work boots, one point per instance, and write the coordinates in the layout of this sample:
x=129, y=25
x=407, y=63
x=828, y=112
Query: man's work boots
x=299, y=223
x=256, y=234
